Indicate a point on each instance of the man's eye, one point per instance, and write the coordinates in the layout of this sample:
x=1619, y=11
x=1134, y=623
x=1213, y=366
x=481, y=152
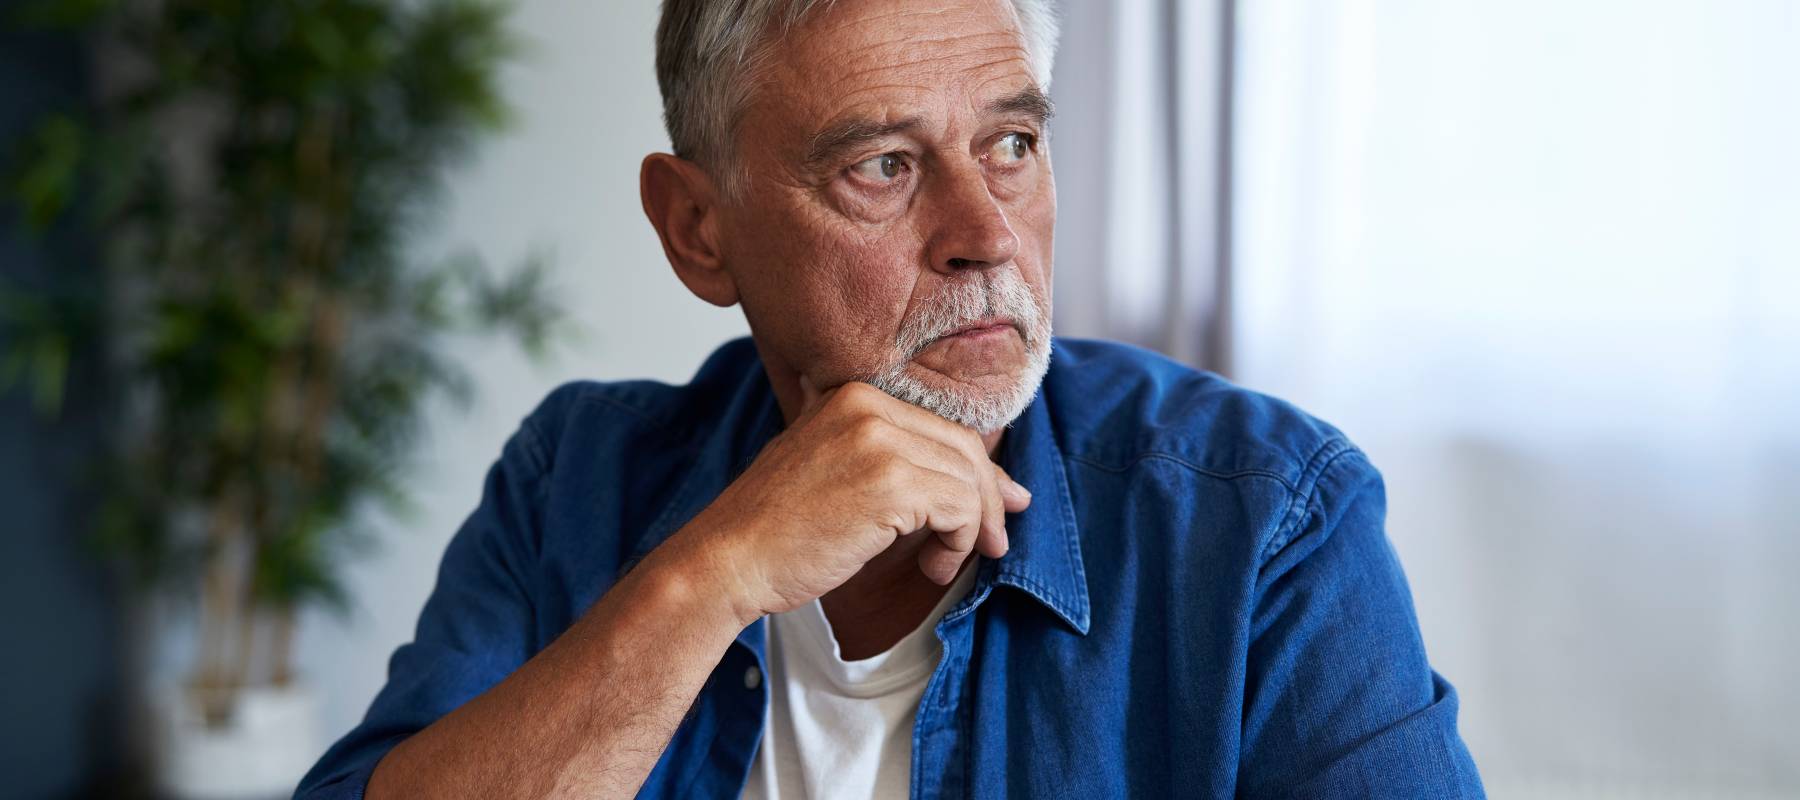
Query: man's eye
x=1011, y=148
x=882, y=168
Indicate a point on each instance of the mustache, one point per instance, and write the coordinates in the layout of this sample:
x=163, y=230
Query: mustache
x=961, y=303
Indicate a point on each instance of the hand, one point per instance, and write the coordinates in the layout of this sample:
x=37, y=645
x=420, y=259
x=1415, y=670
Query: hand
x=856, y=471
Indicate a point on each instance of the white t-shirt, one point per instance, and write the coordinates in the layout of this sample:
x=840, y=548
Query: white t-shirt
x=839, y=728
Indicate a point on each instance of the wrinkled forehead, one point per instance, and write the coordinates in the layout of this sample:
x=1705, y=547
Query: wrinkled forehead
x=891, y=59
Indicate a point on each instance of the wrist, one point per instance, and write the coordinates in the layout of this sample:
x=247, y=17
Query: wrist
x=697, y=581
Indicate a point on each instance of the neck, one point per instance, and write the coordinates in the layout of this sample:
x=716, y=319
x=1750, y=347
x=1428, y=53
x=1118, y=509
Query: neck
x=883, y=602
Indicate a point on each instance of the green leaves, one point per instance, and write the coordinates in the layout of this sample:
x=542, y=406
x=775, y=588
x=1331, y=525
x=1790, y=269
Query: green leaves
x=40, y=333
x=521, y=304
x=252, y=187
x=449, y=64
x=298, y=564
x=61, y=14
x=37, y=355
x=48, y=182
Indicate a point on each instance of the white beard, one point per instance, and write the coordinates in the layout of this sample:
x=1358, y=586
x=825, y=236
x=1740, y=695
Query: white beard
x=996, y=293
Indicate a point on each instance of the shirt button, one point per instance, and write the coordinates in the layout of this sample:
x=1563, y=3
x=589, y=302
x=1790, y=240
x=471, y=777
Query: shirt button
x=752, y=677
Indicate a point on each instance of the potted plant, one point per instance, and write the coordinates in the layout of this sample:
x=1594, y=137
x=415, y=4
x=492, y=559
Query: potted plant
x=253, y=172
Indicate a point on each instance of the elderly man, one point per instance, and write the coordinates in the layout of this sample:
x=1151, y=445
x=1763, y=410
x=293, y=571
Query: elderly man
x=901, y=541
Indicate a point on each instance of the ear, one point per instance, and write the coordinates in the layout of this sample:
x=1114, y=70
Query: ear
x=681, y=201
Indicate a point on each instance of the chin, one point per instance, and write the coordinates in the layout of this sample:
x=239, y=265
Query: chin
x=987, y=406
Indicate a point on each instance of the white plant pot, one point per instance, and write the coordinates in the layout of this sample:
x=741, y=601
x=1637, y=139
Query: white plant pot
x=261, y=751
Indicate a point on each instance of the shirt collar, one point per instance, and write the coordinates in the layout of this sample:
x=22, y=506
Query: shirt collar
x=1045, y=560
x=1045, y=557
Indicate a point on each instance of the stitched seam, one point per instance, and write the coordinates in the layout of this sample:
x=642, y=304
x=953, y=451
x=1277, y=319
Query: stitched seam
x=537, y=454
x=976, y=596
x=965, y=719
x=1057, y=601
x=1074, y=551
x=535, y=484
x=532, y=442
x=652, y=422
x=1211, y=473
x=540, y=451
x=1300, y=501
x=1046, y=591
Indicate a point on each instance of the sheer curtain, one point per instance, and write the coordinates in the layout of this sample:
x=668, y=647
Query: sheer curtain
x=1143, y=117
x=1542, y=260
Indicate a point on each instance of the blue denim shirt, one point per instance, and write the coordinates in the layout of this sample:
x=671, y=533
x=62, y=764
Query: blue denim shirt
x=1199, y=602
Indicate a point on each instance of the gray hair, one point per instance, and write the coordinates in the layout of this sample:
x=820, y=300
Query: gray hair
x=707, y=52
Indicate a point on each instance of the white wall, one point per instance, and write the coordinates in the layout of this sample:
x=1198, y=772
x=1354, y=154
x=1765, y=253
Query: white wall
x=563, y=178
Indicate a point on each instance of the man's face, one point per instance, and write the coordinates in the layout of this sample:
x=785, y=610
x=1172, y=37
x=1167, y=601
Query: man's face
x=899, y=191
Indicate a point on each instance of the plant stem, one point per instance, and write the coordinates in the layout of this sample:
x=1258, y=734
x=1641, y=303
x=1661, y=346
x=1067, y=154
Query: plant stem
x=282, y=649
x=217, y=595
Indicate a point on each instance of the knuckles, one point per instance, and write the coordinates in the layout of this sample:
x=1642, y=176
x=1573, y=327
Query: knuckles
x=854, y=396
x=867, y=433
x=889, y=471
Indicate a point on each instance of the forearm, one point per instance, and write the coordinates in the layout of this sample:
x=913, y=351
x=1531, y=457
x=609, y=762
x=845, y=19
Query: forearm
x=588, y=716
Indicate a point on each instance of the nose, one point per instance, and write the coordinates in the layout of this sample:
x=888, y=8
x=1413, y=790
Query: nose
x=971, y=231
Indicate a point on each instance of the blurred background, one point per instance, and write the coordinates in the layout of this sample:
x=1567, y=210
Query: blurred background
x=1540, y=259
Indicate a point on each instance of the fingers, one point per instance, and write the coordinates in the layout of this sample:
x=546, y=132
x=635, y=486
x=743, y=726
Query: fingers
x=986, y=476
x=955, y=520
x=994, y=541
x=977, y=474
x=972, y=463
x=1017, y=497
x=1000, y=493
x=939, y=563
x=946, y=447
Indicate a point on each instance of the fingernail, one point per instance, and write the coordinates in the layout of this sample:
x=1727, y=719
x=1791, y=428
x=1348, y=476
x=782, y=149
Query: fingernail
x=1019, y=490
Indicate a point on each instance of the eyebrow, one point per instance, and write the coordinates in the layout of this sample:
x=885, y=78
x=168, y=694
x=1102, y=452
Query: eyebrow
x=1029, y=101
x=828, y=144
x=848, y=135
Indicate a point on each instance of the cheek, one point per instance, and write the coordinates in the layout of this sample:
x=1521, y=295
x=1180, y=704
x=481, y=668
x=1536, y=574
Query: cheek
x=871, y=280
x=832, y=290
x=1033, y=218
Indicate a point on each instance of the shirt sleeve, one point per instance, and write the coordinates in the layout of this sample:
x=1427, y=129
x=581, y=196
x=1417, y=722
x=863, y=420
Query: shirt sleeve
x=475, y=629
x=1340, y=701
